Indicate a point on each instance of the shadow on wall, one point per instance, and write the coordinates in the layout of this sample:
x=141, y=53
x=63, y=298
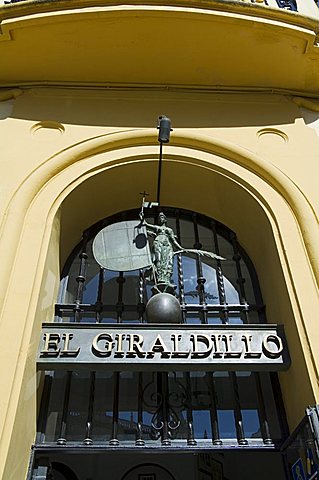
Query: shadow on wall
x=139, y=109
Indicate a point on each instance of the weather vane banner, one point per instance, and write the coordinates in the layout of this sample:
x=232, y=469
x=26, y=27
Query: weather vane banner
x=161, y=347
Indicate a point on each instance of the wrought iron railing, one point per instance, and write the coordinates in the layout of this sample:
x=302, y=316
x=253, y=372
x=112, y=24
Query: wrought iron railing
x=209, y=291
x=160, y=409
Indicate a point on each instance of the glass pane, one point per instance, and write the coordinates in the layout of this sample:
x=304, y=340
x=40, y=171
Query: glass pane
x=253, y=317
x=128, y=396
x=187, y=234
x=92, y=277
x=235, y=319
x=211, y=289
x=226, y=422
x=151, y=403
x=225, y=248
x=177, y=398
x=201, y=406
x=88, y=317
x=229, y=270
x=225, y=405
x=249, y=404
x=110, y=288
x=130, y=317
x=103, y=407
x=206, y=238
x=54, y=411
x=193, y=318
x=131, y=288
x=249, y=291
x=108, y=317
x=78, y=406
x=231, y=293
x=190, y=279
x=214, y=319
x=271, y=406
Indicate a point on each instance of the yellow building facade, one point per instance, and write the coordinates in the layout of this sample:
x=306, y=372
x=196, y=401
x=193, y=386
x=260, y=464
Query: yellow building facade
x=82, y=84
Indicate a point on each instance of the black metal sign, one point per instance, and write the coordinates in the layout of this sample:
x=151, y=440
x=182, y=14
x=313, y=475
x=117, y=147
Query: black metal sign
x=141, y=347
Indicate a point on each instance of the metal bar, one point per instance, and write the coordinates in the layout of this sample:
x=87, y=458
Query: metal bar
x=240, y=280
x=237, y=411
x=280, y=406
x=141, y=304
x=159, y=174
x=89, y=422
x=200, y=278
x=62, y=436
x=220, y=277
x=30, y=472
x=163, y=388
x=120, y=305
x=189, y=411
x=115, y=420
x=139, y=432
x=80, y=279
x=213, y=410
x=189, y=307
x=264, y=425
x=99, y=303
x=313, y=417
x=43, y=414
x=180, y=271
x=177, y=447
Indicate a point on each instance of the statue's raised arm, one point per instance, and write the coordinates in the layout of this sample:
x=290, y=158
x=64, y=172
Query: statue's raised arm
x=149, y=226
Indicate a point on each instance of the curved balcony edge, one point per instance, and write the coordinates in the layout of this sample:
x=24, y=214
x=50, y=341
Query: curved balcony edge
x=305, y=14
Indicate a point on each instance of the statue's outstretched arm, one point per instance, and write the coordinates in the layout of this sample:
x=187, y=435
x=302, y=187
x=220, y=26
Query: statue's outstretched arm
x=175, y=242
x=201, y=253
x=180, y=249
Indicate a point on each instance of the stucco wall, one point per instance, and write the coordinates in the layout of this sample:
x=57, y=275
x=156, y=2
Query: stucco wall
x=71, y=157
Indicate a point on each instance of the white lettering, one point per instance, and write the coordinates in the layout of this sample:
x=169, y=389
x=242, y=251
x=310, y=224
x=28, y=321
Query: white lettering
x=274, y=340
x=106, y=351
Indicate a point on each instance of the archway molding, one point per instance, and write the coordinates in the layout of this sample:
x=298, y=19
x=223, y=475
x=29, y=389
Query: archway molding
x=26, y=192
x=47, y=191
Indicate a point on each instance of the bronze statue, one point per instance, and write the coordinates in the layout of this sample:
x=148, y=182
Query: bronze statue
x=163, y=252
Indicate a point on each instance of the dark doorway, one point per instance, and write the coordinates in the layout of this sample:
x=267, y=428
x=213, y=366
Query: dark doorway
x=120, y=465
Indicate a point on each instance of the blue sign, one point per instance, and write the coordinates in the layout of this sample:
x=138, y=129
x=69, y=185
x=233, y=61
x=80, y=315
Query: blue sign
x=298, y=471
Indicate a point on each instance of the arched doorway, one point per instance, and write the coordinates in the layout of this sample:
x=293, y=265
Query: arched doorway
x=257, y=236
x=148, y=471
